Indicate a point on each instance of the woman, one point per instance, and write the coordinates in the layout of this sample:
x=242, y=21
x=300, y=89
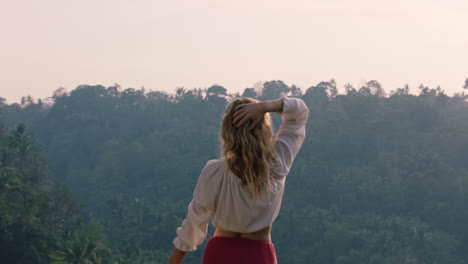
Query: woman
x=242, y=191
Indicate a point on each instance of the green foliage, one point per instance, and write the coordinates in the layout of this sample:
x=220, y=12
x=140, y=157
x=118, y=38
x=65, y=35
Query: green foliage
x=379, y=179
x=322, y=236
x=37, y=217
x=81, y=248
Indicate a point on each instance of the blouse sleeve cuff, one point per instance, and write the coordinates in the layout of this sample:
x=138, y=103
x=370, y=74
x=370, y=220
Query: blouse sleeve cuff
x=181, y=245
x=286, y=103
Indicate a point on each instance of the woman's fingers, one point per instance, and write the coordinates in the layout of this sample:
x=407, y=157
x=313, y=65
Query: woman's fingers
x=239, y=107
x=243, y=120
x=243, y=113
x=239, y=116
x=254, y=124
x=237, y=113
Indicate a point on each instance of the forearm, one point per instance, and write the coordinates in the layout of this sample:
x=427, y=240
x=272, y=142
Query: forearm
x=177, y=256
x=273, y=106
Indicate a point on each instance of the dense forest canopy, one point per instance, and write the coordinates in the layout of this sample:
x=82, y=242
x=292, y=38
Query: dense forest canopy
x=105, y=174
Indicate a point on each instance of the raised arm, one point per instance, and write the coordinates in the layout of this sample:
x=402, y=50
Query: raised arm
x=291, y=133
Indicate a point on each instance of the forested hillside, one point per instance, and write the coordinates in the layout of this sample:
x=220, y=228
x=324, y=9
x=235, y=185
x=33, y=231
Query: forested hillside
x=105, y=174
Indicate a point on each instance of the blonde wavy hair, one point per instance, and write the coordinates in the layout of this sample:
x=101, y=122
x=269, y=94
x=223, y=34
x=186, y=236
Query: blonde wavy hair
x=248, y=153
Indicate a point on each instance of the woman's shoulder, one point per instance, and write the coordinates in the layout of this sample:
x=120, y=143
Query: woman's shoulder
x=213, y=168
x=214, y=163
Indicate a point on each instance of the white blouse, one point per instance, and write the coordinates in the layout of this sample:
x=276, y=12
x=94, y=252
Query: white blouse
x=219, y=194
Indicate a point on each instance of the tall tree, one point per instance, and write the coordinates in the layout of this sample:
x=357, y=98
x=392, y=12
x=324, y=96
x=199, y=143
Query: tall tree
x=249, y=92
x=272, y=89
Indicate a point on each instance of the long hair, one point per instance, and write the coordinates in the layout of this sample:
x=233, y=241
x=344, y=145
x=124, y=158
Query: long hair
x=248, y=153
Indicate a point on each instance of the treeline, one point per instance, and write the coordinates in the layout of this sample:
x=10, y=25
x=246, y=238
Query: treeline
x=381, y=178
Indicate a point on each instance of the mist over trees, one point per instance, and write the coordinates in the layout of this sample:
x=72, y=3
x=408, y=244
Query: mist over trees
x=105, y=174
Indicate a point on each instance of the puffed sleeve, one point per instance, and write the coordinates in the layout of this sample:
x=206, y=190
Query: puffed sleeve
x=194, y=227
x=291, y=133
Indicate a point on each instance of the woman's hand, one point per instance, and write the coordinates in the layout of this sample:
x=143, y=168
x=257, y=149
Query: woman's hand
x=249, y=111
x=255, y=111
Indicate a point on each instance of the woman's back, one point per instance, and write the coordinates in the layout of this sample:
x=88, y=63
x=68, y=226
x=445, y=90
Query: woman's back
x=261, y=235
x=223, y=197
x=229, y=203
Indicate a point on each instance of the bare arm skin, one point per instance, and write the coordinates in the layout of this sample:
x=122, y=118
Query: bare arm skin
x=177, y=256
x=255, y=111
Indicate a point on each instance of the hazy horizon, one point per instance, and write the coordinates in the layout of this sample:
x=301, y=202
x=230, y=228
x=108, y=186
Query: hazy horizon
x=163, y=45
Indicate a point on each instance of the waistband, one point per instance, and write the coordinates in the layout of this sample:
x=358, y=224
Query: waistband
x=240, y=240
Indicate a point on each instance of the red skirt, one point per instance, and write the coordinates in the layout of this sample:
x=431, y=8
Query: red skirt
x=223, y=250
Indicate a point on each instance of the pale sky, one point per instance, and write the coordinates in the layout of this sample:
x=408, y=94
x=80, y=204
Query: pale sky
x=161, y=45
